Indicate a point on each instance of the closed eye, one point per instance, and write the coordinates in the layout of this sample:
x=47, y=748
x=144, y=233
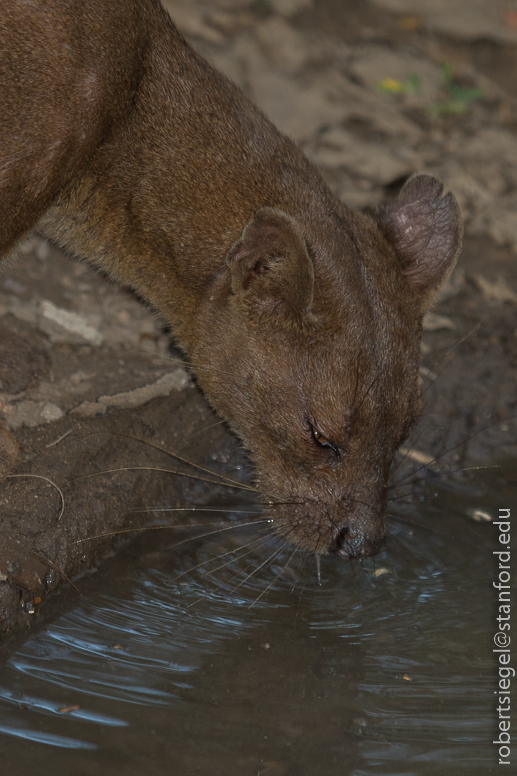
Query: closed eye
x=322, y=440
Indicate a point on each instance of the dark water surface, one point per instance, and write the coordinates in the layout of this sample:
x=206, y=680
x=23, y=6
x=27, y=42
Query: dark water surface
x=386, y=668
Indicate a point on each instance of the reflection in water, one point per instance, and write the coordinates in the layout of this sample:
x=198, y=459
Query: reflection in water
x=386, y=668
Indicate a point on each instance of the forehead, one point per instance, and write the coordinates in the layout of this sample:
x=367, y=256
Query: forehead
x=339, y=372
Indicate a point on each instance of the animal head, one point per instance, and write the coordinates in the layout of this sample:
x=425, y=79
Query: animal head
x=317, y=356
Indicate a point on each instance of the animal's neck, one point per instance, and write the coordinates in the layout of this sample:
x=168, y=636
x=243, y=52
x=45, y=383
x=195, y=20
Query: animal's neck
x=158, y=207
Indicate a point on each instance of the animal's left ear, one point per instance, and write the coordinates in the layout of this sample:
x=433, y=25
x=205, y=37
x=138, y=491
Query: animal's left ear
x=426, y=230
x=270, y=267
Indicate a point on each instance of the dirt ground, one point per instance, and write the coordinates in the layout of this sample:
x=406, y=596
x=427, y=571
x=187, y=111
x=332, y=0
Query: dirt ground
x=373, y=91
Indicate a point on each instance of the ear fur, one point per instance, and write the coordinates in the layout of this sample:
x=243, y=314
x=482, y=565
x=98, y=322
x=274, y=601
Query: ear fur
x=270, y=264
x=426, y=231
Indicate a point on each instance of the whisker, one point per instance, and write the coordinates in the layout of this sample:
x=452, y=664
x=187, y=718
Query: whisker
x=299, y=603
x=56, y=569
x=213, y=590
x=356, y=383
x=406, y=498
x=461, y=341
x=224, y=584
x=400, y=544
x=284, y=531
x=367, y=392
x=243, y=571
x=406, y=456
x=254, y=544
x=166, y=358
x=41, y=477
x=221, y=530
x=267, y=562
x=257, y=542
x=485, y=321
x=434, y=530
x=275, y=578
x=203, y=430
x=450, y=450
x=407, y=481
x=305, y=559
x=317, y=558
x=407, y=452
x=226, y=510
x=289, y=503
x=156, y=469
x=186, y=461
x=161, y=527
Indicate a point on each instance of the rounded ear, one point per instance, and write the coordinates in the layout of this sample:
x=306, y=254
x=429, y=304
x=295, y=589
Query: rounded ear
x=270, y=263
x=426, y=230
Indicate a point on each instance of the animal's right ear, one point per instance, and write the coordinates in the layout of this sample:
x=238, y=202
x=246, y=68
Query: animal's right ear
x=425, y=229
x=270, y=267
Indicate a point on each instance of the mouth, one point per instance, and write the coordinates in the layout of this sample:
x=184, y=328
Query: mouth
x=320, y=534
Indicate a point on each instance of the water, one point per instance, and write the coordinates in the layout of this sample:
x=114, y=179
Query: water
x=386, y=668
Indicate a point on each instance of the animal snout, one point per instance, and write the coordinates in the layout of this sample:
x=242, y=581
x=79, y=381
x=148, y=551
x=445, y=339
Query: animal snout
x=349, y=542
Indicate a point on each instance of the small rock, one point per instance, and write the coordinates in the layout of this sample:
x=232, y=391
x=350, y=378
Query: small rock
x=491, y=157
x=499, y=221
x=381, y=571
x=283, y=46
x=23, y=311
x=31, y=413
x=417, y=455
x=42, y=249
x=51, y=412
x=298, y=110
x=66, y=326
x=427, y=373
x=14, y=286
x=434, y=322
x=340, y=148
x=498, y=290
x=176, y=380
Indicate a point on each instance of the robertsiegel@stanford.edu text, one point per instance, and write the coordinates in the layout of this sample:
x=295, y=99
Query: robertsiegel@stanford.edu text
x=505, y=673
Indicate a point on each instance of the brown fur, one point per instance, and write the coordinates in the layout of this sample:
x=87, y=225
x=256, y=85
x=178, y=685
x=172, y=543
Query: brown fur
x=300, y=317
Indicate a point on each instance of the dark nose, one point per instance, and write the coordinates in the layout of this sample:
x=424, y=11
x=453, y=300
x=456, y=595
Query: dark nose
x=352, y=543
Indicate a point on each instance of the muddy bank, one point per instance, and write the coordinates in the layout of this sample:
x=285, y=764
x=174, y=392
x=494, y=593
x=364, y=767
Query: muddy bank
x=73, y=382
x=363, y=88
x=50, y=505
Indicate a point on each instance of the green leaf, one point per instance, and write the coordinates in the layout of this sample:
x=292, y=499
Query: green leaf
x=413, y=84
x=446, y=69
x=466, y=94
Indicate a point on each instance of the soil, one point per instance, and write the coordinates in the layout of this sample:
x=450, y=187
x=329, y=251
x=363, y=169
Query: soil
x=363, y=87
